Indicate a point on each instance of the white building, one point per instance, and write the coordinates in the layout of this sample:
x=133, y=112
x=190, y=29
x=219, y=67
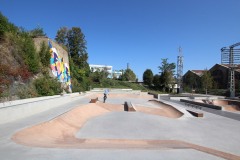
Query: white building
x=95, y=68
x=116, y=73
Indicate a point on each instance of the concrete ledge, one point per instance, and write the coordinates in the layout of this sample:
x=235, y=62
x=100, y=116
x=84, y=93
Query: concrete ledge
x=94, y=100
x=128, y=106
x=195, y=113
x=155, y=95
x=29, y=107
x=202, y=104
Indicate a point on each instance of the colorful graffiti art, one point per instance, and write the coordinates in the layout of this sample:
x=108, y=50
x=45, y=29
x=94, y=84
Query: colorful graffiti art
x=59, y=69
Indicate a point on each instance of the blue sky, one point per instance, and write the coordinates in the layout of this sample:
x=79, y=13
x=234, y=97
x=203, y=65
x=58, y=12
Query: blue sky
x=138, y=32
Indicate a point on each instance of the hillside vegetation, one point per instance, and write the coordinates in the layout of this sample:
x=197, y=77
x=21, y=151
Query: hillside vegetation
x=22, y=67
x=109, y=83
x=25, y=63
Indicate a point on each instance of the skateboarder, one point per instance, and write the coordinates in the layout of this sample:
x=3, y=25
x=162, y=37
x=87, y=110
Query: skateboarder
x=106, y=91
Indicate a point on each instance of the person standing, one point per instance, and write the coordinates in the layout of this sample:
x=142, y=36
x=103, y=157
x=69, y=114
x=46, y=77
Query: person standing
x=105, y=94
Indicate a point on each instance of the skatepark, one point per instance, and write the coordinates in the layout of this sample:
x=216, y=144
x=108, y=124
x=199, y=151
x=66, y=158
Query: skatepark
x=70, y=127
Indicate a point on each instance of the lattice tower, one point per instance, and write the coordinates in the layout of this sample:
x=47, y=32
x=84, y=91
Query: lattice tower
x=231, y=57
x=179, y=69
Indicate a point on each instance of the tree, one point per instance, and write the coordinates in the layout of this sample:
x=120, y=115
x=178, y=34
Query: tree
x=157, y=82
x=128, y=75
x=28, y=51
x=167, y=72
x=98, y=75
x=78, y=49
x=37, y=32
x=207, y=80
x=44, y=54
x=6, y=26
x=74, y=40
x=61, y=37
x=148, y=77
x=167, y=67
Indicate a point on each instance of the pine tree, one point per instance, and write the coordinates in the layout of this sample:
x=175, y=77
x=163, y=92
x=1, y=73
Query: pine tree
x=44, y=54
x=61, y=37
x=78, y=50
x=74, y=40
x=28, y=50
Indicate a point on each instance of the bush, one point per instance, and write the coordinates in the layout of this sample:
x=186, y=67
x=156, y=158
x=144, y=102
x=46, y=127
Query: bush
x=44, y=54
x=76, y=87
x=6, y=26
x=110, y=83
x=26, y=91
x=37, y=32
x=47, y=86
x=30, y=56
x=80, y=86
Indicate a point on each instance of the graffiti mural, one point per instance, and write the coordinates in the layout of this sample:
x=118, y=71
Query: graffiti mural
x=59, y=69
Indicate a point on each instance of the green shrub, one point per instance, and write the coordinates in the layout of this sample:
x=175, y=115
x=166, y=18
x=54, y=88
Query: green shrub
x=110, y=83
x=6, y=26
x=47, y=86
x=26, y=91
x=28, y=51
x=44, y=54
x=80, y=86
x=76, y=87
x=37, y=32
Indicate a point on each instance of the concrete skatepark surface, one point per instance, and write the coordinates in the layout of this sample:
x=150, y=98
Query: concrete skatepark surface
x=156, y=130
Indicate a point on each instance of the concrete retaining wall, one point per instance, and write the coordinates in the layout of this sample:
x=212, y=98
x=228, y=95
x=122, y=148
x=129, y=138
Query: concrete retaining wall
x=11, y=111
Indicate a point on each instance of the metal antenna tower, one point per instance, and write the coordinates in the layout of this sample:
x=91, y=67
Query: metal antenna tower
x=179, y=69
x=231, y=57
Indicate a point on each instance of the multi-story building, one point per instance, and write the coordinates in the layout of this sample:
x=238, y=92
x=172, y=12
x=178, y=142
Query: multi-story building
x=95, y=68
x=116, y=73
